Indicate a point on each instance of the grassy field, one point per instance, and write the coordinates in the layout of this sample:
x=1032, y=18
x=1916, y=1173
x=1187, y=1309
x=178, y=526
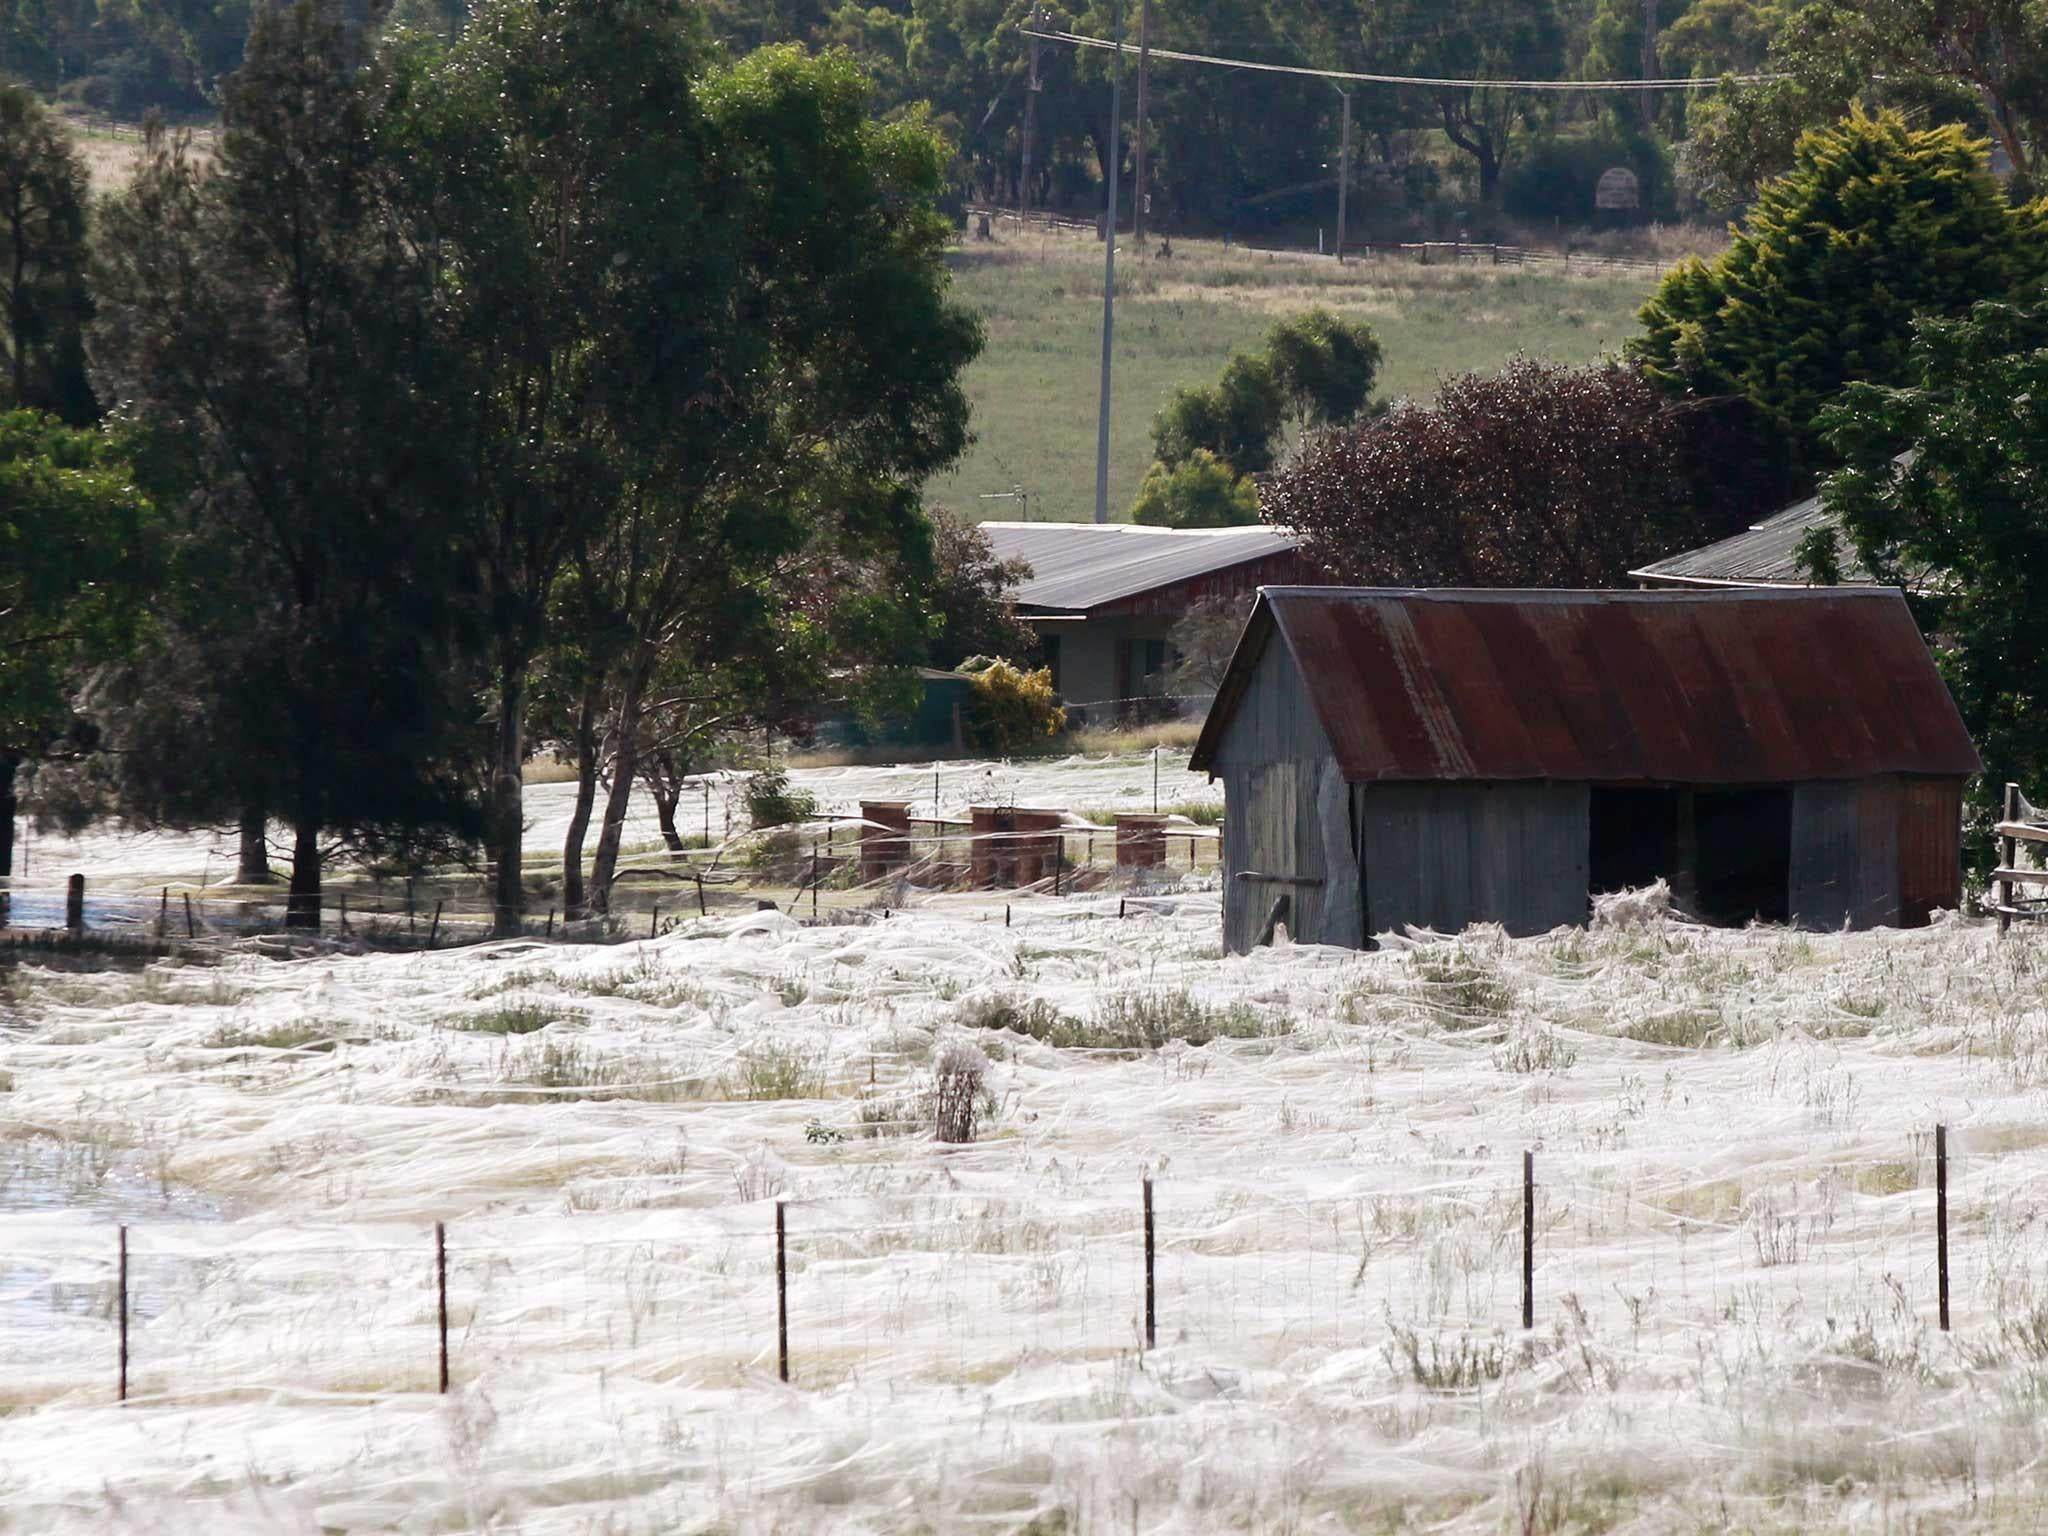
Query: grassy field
x=1178, y=320
x=1035, y=386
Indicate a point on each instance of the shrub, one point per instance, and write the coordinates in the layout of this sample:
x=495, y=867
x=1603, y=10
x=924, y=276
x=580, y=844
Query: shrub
x=1875, y=224
x=1127, y=1021
x=1542, y=475
x=1008, y=710
x=971, y=595
x=1200, y=492
x=772, y=1069
x=957, y=1092
x=771, y=802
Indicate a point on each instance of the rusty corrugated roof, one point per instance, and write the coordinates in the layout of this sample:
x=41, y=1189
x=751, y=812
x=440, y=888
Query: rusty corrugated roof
x=1725, y=687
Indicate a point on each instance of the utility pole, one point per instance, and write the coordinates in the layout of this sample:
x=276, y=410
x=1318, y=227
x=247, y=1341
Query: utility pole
x=1116, y=117
x=1031, y=89
x=1644, y=98
x=1138, y=145
x=1344, y=174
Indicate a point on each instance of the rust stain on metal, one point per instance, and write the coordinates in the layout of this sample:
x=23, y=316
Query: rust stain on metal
x=1737, y=687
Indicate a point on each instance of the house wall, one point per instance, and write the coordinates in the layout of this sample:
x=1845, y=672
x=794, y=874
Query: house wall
x=1286, y=812
x=1444, y=856
x=1092, y=669
x=1879, y=852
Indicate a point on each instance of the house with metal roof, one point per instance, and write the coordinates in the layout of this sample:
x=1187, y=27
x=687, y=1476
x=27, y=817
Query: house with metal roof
x=1765, y=554
x=1104, y=597
x=1432, y=759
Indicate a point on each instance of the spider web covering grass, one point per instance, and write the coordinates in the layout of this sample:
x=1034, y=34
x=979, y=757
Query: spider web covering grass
x=1734, y=1283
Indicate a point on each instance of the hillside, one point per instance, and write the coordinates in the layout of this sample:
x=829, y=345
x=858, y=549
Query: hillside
x=1178, y=320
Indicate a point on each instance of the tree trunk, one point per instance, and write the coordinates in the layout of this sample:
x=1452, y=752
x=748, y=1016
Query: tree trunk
x=1489, y=171
x=625, y=757
x=302, y=908
x=573, y=906
x=252, y=867
x=508, y=810
x=665, y=800
x=10, y=804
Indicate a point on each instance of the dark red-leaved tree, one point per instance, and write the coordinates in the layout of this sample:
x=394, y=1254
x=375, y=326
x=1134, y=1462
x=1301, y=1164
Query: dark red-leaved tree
x=1538, y=476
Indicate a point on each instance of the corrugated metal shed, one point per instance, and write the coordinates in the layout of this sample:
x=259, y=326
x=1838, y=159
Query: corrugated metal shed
x=1765, y=555
x=1724, y=687
x=1076, y=567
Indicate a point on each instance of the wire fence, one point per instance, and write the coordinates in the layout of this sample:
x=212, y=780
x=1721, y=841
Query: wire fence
x=1436, y=1267
x=834, y=865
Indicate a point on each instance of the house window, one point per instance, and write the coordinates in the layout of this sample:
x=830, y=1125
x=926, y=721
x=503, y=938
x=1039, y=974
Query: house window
x=1148, y=666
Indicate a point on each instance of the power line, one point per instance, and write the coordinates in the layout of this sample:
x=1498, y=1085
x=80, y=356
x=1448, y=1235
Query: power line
x=1076, y=40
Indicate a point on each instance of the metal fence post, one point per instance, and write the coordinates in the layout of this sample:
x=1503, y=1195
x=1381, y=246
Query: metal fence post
x=1151, y=1293
x=1941, y=1216
x=122, y=1286
x=1528, y=1240
x=781, y=1293
x=441, y=1285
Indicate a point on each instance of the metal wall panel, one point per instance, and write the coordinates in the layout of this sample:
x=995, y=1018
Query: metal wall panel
x=1445, y=856
x=1845, y=854
x=1930, y=834
x=1272, y=761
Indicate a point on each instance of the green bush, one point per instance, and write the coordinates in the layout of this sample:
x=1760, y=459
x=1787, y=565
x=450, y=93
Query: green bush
x=771, y=802
x=1200, y=492
x=1008, y=710
x=1875, y=225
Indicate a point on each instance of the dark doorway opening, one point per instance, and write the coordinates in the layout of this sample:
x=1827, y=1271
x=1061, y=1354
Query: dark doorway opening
x=1637, y=837
x=1745, y=854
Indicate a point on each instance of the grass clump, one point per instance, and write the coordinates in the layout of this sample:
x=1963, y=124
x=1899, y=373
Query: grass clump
x=1535, y=1050
x=1466, y=990
x=289, y=1035
x=1127, y=1021
x=522, y=1016
x=1686, y=1027
x=565, y=1066
x=775, y=1069
x=1439, y=1364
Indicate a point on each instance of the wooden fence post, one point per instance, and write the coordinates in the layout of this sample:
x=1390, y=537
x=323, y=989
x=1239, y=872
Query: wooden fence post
x=2009, y=852
x=434, y=933
x=1941, y=1216
x=74, y=904
x=654, y=920
x=441, y=1286
x=814, y=882
x=122, y=1286
x=190, y=932
x=163, y=912
x=1151, y=1307
x=551, y=922
x=1528, y=1240
x=344, y=911
x=781, y=1293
